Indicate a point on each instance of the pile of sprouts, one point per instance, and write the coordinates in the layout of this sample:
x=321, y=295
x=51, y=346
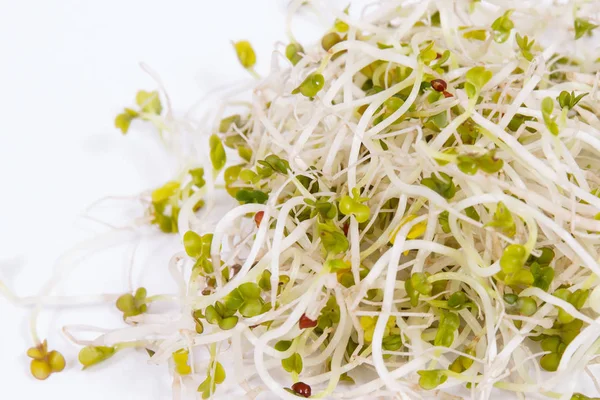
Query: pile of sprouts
x=418, y=213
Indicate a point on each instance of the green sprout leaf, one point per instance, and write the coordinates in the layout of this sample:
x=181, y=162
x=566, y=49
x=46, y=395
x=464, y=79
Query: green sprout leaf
x=442, y=185
x=283, y=345
x=293, y=52
x=323, y=207
x=149, y=102
x=251, y=196
x=220, y=374
x=245, y=53
x=234, y=300
x=132, y=304
x=525, y=46
x=440, y=61
x=228, y=323
x=476, y=79
x=340, y=25
x=311, y=85
x=449, y=323
x=542, y=276
x=503, y=220
x=332, y=238
x=527, y=306
x=164, y=192
x=502, y=27
x=293, y=363
x=192, y=242
x=217, y=153
x=547, y=108
x=583, y=27
x=457, y=300
x=568, y=100
x=513, y=258
x=123, y=120
x=428, y=54
x=330, y=40
x=330, y=314
x=249, y=290
x=197, y=175
x=92, y=355
x=431, y=379
x=180, y=359
x=476, y=34
x=227, y=123
x=354, y=206
x=489, y=163
x=275, y=164
x=252, y=307
x=420, y=283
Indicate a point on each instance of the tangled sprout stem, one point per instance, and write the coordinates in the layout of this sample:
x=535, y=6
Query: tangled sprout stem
x=419, y=212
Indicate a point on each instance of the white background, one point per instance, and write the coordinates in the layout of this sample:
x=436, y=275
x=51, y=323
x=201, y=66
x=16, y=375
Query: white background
x=67, y=67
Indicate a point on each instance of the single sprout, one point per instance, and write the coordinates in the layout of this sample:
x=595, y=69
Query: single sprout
x=45, y=363
x=245, y=54
x=149, y=107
